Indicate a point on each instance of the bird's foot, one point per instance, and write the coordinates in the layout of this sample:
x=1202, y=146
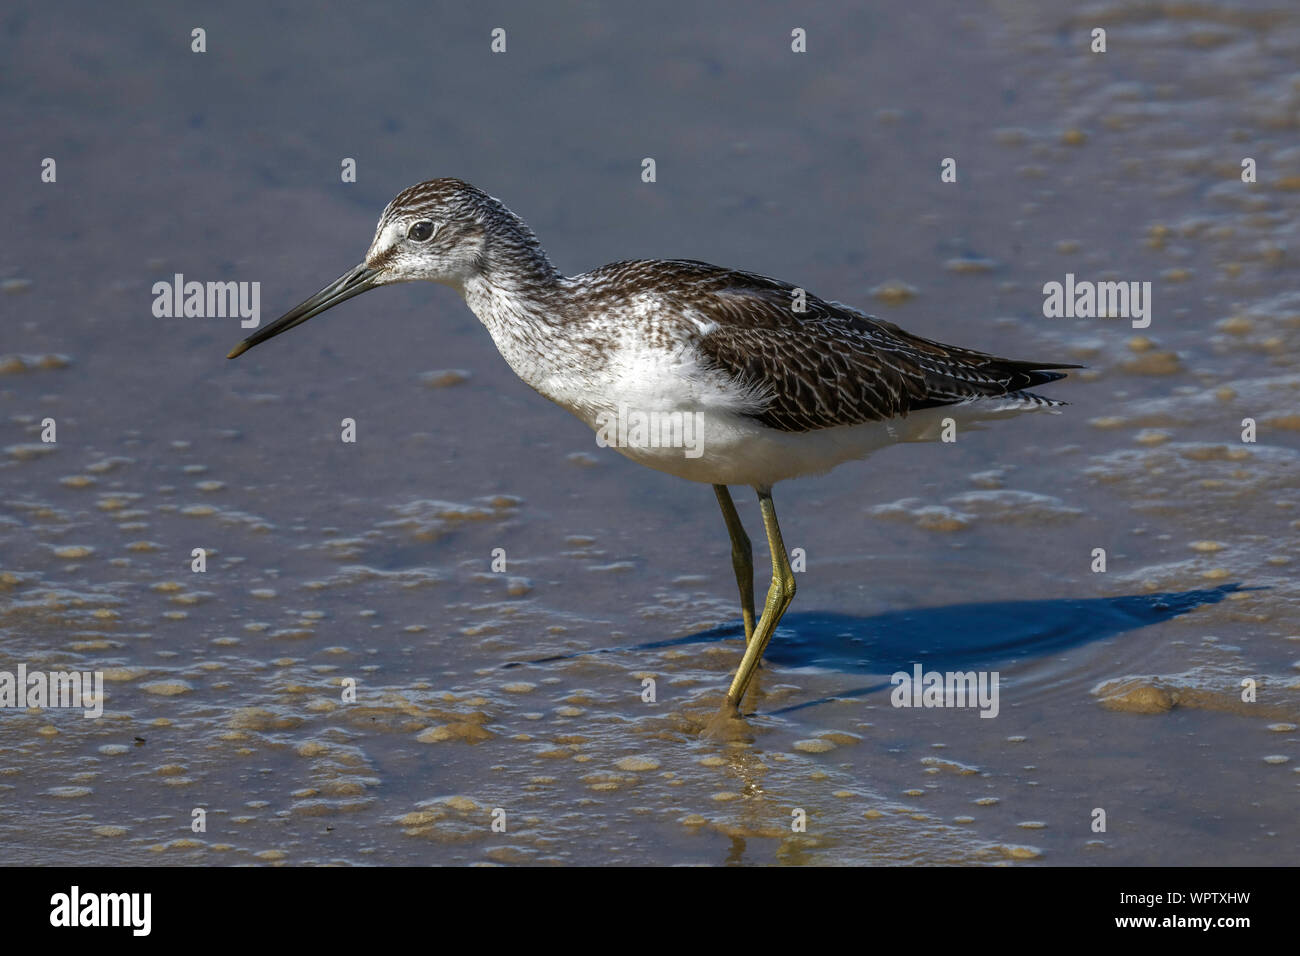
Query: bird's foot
x=726, y=724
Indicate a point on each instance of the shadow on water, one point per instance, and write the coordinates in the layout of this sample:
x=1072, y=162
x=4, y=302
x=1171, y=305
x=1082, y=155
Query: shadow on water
x=958, y=636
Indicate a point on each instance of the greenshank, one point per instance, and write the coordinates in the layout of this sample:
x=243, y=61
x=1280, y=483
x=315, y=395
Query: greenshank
x=771, y=381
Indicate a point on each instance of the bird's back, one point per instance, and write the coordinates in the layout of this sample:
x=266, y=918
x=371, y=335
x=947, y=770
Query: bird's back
x=816, y=363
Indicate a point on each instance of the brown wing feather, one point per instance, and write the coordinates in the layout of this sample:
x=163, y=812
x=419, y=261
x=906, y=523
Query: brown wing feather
x=833, y=365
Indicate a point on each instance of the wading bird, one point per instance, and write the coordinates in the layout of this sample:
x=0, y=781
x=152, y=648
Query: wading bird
x=781, y=383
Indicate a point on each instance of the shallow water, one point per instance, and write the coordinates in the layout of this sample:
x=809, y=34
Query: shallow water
x=373, y=561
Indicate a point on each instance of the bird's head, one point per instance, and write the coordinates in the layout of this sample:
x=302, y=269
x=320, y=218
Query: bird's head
x=434, y=232
x=443, y=230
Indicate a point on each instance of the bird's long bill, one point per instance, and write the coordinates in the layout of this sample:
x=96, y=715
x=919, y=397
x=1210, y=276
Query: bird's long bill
x=353, y=282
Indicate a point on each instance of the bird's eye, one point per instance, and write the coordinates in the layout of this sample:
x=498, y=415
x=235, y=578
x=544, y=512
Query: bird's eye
x=421, y=231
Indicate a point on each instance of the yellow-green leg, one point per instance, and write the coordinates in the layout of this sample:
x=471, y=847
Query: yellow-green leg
x=779, y=596
x=742, y=558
